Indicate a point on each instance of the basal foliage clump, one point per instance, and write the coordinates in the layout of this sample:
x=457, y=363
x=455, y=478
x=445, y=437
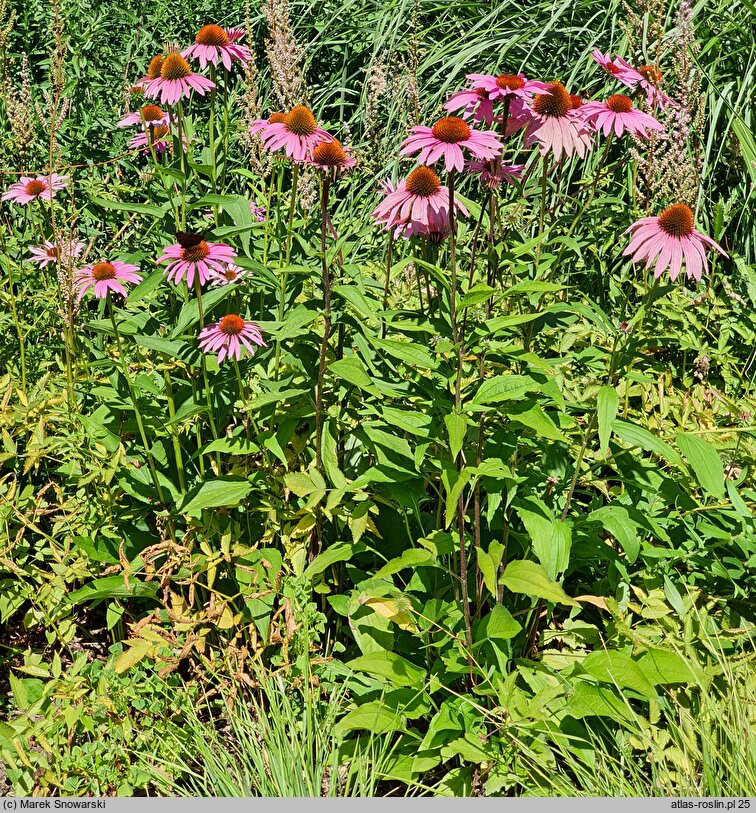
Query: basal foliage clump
x=445, y=419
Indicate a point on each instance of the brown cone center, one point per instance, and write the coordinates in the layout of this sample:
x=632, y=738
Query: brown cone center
x=175, y=67
x=451, y=130
x=35, y=188
x=555, y=105
x=650, y=73
x=104, y=271
x=509, y=81
x=156, y=63
x=329, y=154
x=423, y=182
x=151, y=112
x=231, y=324
x=300, y=121
x=211, y=35
x=677, y=220
x=195, y=254
x=619, y=103
x=277, y=118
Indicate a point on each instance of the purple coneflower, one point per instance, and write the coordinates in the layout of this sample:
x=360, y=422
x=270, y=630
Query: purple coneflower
x=227, y=336
x=214, y=44
x=556, y=127
x=106, y=276
x=298, y=134
x=618, y=115
x=176, y=81
x=446, y=139
x=50, y=252
x=193, y=255
x=670, y=239
x=29, y=189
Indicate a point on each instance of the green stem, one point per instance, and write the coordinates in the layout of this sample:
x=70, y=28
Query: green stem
x=180, y=147
x=326, y=326
x=208, y=398
x=174, y=430
x=283, y=273
x=211, y=127
x=132, y=395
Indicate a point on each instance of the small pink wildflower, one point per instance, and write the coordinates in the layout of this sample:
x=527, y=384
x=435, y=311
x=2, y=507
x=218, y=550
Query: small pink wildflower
x=214, y=44
x=670, y=239
x=447, y=139
x=298, y=134
x=647, y=77
x=50, y=252
x=193, y=255
x=419, y=199
x=29, y=189
x=105, y=277
x=176, y=81
x=618, y=115
x=227, y=337
x=556, y=127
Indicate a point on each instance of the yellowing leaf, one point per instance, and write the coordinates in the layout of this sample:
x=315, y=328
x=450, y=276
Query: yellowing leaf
x=131, y=657
x=389, y=608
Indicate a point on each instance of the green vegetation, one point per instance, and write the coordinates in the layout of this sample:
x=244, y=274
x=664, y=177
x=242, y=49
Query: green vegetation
x=478, y=517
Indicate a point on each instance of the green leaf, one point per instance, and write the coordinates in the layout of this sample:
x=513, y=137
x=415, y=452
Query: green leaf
x=663, y=667
x=372, y=716
x=341, y=552
x=170, y=347
x=551, y=538
x=477, y=294
x=409, y=353
x=503, y=388
x=529, y=579
x=536, y=419
x=392, y=667
x=617, y=521
x=222, y=492
x=596, y=701
x=619, y=669
x=456, y=426
x=353, y=371
x=638, y=436
x=607, y=402
x=113, y=587
x=125, y=206
x=414, y=557
x=705, y=462
x=497, y=625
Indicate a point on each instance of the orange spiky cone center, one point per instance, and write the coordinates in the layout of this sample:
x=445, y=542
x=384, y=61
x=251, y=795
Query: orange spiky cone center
x=329, y=154
x=300, y=121
x=211, y=35
x=151, y=112
x=230, y=274
x=175, y=67
x=103, y=271
x=619, y=103
x=423, y=182
x=575, y=101
x=160, y=131
x=677, y=220
x=231, y=325
x=277, y=118
x=195, y=254
x=555, y=105
x=510, y=81
x=156, y=63
x=451, y=130
x=650, y=73
x=35, y=188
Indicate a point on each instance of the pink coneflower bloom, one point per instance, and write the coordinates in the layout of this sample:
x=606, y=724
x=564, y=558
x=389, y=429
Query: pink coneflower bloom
x=232, y=273
x=508, y=85
x=148, y=115
x=474, y=103
x=446, y=139
x=227, y=336
x=106, y=276
x=330, y=156
x=618, y=115
x=419, y=198
x=556, y=127
x=298, y=134
x=193, y=255
x=261, y=125
x=213, y=44
x=49, y=252
x=670, y=239
x=647, y=77
x=153, y=72
x=29, y=189
x=258, y=212
x=491, y=176
x=176, y=81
